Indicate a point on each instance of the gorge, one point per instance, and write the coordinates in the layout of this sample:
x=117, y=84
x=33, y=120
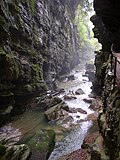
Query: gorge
x=40, y=85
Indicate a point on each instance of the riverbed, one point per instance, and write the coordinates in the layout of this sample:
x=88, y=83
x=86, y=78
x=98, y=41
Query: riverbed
x=74, y=139
x=69, y=136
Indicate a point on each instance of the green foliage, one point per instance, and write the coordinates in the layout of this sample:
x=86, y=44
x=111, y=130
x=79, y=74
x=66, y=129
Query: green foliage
x=82, y=21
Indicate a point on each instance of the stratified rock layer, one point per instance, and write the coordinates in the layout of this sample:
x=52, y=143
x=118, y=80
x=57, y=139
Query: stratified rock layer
x=107, y=30
x=38, y=42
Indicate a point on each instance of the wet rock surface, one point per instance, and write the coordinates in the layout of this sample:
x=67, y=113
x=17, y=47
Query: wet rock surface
x=41, y=144
x=79, y=91
x=38, y=45
x=106, y=30
x=90, y=71
x=57, y=111
x=15, y=152
x=81, y=110
x=35, y=145
x=77, y=155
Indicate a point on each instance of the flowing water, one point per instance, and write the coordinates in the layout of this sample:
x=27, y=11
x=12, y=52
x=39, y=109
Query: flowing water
x=67, y=140
x=74, y=139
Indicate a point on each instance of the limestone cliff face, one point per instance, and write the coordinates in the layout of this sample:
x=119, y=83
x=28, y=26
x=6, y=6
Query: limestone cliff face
x=38, y=42
x=108, y=34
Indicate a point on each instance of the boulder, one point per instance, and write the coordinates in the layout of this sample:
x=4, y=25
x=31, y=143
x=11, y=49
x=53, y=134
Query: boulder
x=87, y=100
x=89, y=66
x=91, y=75
x=92, y=95
x=71, y=78
x=81, y=111
x=77, y=116
x=54, y=101
x=79, y=91
x=42, y=144
x=67, y=119
x=94, y=107
x=72, y=110
x=54, y=113
x=69, y=97
x=89, y=140
x=15, y=152
x=92, y=117
x=47, y=102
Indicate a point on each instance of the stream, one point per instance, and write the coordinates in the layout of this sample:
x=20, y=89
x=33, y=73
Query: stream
x=74, y=139
x=68, y=140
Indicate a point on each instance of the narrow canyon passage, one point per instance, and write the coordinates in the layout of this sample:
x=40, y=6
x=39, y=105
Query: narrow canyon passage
x=59, y=80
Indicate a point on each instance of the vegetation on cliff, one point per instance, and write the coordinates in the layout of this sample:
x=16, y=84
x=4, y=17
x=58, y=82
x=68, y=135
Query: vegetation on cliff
x=87, y=43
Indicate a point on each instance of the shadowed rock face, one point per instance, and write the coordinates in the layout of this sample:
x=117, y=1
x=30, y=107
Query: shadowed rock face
x=38, y=42
x=108, y=12
x=101, y=33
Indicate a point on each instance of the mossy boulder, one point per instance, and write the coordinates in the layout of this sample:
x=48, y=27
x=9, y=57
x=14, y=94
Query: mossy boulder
x=54, y=113
x=15, y=152
x=54, y=101
x=42, y=143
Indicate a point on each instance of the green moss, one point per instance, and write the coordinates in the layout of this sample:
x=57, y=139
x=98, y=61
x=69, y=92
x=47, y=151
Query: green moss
x=42, y=141
x=2, y=21
x=37, y=75
x=114, y=93
x=95, y=155
x=12, y=68
x=30, y=4
x=117, y=103
x=28, y=88
x=33, y=5
x=56, y=100
x=2, y=52
x=13, y=6
x=41, y=86
x=2, y=150
x=6, y=110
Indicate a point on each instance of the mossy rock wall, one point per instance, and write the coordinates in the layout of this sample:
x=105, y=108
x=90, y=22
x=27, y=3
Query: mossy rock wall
x=102, y=59
x=37, y=44
x=109, y=117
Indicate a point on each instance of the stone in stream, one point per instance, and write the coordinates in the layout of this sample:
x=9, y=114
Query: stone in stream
x=69, y=97
x=92, y=95
x=94, y=107
x=90, y=71
x=80, y=154
x=88, y=100
x=53, y=113
x=71, y=77
x=81, y=110
x=77, y=116
x=72, y=110
x=92, y=116
x=79, y=91
x=47, y=102
x=91, y=75
x=90, y=66
x=42, y=144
